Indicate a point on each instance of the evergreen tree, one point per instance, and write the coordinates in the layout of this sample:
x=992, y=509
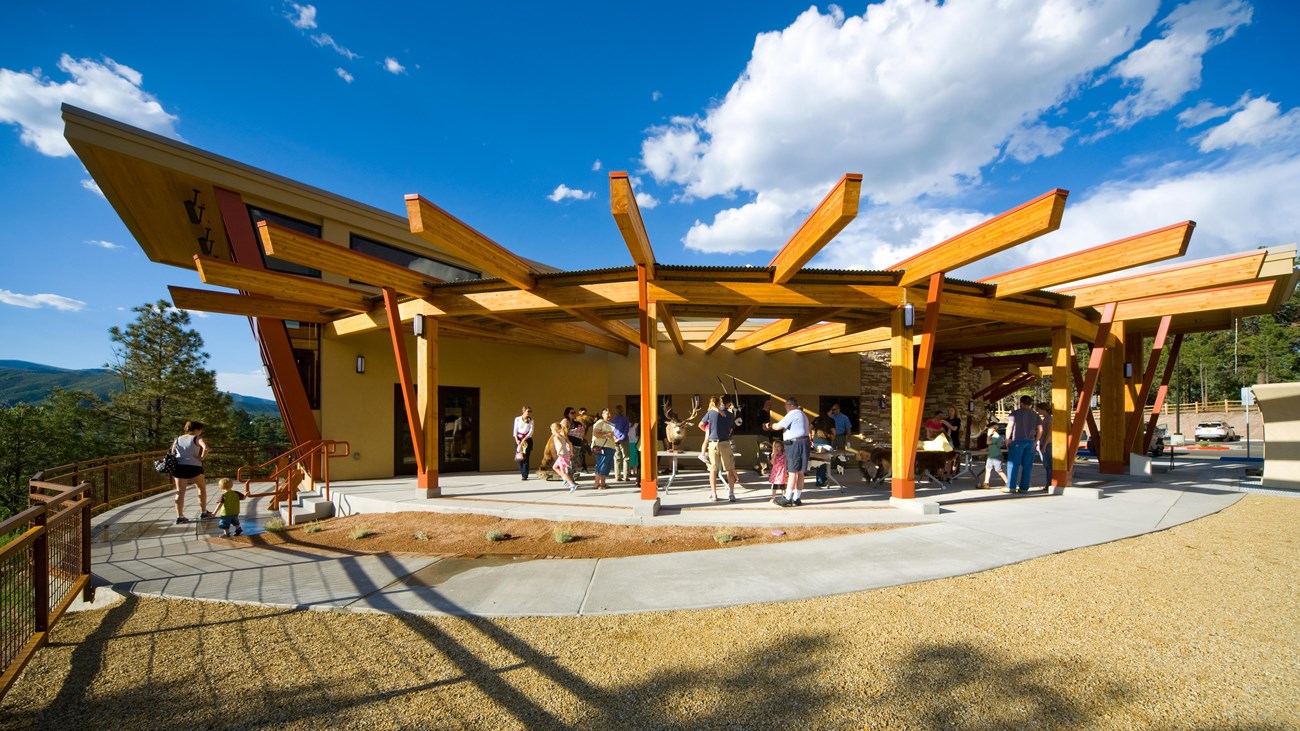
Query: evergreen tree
x=160, y=362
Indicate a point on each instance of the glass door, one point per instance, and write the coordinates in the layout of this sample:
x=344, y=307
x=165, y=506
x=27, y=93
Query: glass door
x=458, y=406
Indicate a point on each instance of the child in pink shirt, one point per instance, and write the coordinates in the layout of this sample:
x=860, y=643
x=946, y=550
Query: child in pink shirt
x=777, y=475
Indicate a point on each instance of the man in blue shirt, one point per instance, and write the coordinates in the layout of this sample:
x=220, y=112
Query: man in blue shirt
x=716, y=425
x=621, y=426
x=1024, y=429
x=842, y=427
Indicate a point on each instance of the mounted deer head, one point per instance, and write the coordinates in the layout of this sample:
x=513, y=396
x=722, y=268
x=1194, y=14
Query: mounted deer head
x=675, y=428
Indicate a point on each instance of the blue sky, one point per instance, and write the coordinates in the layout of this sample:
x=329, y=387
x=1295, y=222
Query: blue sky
x=735, y=119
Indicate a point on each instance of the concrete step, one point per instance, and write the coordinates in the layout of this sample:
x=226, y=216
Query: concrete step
x=309, y=506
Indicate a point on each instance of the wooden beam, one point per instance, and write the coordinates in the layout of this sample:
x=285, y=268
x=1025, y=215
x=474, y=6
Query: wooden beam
x=983, y=393
x=826, y=220
x=1152, y=246
x=276, y=284
x=398, y=338
x=823, y=332
x=1201, y=274
x=570, y=332
x=1231, y=297
x=1020, y=359
x=1083, y=406
x=249, y=305
x=309, y=251
x=1016, y=226
x=874, y=339
x=727, y=326
x=627, y=215
x=665, y=317
x=448, y=233
x=1010, y=387
x=983, y=308
x=617, y=328
x=783, y=326
x=1144, y=391
x=515, y=336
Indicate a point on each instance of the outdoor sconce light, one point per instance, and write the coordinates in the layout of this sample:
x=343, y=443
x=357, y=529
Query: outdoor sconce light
x=194, y=210
x=361, y=364
x=205, y=242
x=970, y=406
x=418, y=326
x=1128, y=369
x=909, y=315
x=884, y=402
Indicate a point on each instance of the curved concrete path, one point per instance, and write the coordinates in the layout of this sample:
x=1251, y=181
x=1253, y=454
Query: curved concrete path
x=137, y=550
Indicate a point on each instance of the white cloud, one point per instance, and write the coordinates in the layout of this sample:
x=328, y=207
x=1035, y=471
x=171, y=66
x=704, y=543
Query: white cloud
x=1260, y=121
x=343, y=75
x=250, y=383
x=90, y=185
x=103, y=244
x=563, y=192
x=303, y=17
x=886, y=235
x=645, y=201
x=1201, y=113
x=393, y=67
x=913, y=104
x=1169, y=67
x=325, y=40
x=34, y=301
x=31, y=101
x=595, y=166
x=656, y=95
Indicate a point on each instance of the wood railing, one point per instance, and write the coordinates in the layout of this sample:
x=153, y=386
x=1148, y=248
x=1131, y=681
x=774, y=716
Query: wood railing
x=287, y=473
x=44, y=564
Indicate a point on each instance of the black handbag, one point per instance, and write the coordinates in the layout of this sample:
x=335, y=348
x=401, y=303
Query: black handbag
x=165, y=465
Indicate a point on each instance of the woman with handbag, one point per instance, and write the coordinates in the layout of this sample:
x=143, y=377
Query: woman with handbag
x=190, y=449
x=602, y=445
x=523, y=431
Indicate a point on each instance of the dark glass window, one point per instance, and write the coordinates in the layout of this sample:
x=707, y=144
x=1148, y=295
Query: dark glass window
x=432, y=268
x=753, y=412
x=848, y=406
x=304, y=338
x=279, y=265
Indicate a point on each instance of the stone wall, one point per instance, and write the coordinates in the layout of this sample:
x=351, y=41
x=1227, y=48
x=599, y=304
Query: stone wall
x=952, y=381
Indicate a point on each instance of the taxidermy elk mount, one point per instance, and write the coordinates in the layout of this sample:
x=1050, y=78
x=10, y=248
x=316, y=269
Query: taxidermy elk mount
x=675, y=427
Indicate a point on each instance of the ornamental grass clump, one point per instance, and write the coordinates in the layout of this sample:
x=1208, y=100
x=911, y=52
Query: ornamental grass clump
x=563, y=534
x=360, y=532
x=314, y=527
x=495, y=535
x=723, y=537
x=276, y=525
x=421, y=535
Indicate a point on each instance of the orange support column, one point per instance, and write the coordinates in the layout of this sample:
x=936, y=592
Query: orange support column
x=413, y=419
x=903, y=453
x=649, y=322
x=426, y=389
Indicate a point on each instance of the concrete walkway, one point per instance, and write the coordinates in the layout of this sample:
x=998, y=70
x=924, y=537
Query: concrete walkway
x=138, y=550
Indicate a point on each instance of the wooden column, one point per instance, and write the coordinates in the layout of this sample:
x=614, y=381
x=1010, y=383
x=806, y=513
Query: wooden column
x=426, y=389
x=648, y=349
x=1062, y=355
x=1113, y=398
x=903, y=452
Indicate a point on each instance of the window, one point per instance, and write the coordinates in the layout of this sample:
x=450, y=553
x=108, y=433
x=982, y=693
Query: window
x=432, y=268
x=753, y=413
x=848, y=406
x=279, y=265
x=304, y=338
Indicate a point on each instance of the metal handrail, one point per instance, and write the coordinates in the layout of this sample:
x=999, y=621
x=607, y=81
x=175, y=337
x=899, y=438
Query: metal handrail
x=318, y=453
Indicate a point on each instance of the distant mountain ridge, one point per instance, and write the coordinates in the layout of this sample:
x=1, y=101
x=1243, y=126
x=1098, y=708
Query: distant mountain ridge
x=22, y=382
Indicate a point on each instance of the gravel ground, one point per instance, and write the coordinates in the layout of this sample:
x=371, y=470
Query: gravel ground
x=1194, y=627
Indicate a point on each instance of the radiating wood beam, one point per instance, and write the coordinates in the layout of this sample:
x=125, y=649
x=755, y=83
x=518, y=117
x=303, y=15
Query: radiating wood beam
x=275, y=284
x=993, y=361
x=448, y=233
x=1152, y=246
x=1252, y=294
x=1216, y=272
x=571, y=332
x=627, y=215
x=1006, y=389
x=1144, y=390
x=857, y=342
x=983, y=393
x=824, y=332
x=1016, y=226
x=1162, y=392
x=826, y=220
x=727, y=326
x=248, y=305
x=617, y=328
x=515, y=336
x=1083, y=405
x=781, y=327
x=309, y=251
x=405, y=378
x=670, y=326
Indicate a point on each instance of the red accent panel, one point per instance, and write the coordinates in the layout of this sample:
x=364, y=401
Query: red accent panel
x=404, y=375
x=1134, y=421
x=1083, y=407
x=1170, y=362
x=272, y=338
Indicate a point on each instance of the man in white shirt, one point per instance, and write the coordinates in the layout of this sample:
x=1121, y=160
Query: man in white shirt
x=795, y=430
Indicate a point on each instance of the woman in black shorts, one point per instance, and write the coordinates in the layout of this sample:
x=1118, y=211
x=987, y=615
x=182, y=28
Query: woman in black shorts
x=190, y=449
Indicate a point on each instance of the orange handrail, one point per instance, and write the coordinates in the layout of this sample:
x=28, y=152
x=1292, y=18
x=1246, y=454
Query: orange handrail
x=284, y=467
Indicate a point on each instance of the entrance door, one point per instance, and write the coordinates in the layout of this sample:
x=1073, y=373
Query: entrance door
x=403, y=449
x=458, y=407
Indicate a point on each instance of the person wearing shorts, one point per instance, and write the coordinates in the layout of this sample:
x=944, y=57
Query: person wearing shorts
x=717, y=425
x=794, y=429
x=190, y=449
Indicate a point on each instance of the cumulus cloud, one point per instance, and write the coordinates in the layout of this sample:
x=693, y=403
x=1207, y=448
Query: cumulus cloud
x=595, y=166
x=1260, y=121
x=1201, y=113
x=325, y=40
x=886, y=235
x=90, y=185
x=303, y=17
x=656, y=95
x=645, y=201
x=31, y=101
x=912, y=104
x=343, y=75
x=1169, y=67
x=35, y=301
x=103, y=244
x=393, y=67
x=563, y=192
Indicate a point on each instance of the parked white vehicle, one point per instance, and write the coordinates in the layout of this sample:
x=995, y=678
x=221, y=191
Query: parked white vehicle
x=1217, y=430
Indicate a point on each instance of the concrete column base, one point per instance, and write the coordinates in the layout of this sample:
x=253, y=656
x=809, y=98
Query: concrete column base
x=1139, y=468
x=1091, y=493
x=646, y=508
x=924, y=507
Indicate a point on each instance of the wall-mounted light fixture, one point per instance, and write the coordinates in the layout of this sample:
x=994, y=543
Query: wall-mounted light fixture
x=970, y=406
x=1128, y=369
x=418, y=325
x=205, y=242
x=194, y=210
x=361, y=364
x=909, y=315
x=884, y=402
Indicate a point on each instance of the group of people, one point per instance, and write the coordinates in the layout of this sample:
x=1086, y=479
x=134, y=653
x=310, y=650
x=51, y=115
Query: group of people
x=612, y=438
x=1029, y=436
